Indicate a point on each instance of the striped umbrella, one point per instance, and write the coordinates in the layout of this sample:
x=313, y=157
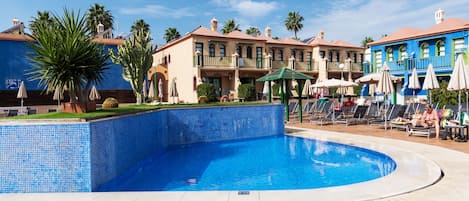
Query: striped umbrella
x=430, y=81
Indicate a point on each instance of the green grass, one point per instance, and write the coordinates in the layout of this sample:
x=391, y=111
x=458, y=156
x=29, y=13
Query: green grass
x=130, y=109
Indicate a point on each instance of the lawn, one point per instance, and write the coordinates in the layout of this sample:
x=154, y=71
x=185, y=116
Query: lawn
x=129, y=109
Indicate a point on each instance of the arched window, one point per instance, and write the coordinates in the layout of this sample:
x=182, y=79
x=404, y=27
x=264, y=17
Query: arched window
x=402, y=52
x=440, y=48
x=389, y=55
x=222, y=51
x=211, y=50
x=239, y=50
x=424, y=50
x=280, y=55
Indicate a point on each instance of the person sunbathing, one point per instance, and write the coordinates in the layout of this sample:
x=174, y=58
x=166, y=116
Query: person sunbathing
x=429, y=118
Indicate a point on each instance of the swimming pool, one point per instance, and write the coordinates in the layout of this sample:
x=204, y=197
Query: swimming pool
x=269, y=163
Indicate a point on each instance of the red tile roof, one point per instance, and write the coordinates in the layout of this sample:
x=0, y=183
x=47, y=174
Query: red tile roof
x=448, y=25
x=15, y=37
x=203, y=31
x=338, y=43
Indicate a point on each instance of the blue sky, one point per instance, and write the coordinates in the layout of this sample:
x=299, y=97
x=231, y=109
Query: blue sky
x=349, y=20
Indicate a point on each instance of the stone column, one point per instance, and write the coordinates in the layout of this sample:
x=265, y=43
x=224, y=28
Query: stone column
x=291, y=62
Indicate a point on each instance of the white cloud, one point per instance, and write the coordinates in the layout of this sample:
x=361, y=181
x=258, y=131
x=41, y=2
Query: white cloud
x=355, y=19
x=157, y=11
x=248, y=8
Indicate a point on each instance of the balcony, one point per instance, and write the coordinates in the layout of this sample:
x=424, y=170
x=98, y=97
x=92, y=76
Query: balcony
x=227, y=62
x=279, y=64
x=334, y=67
x=305, y=66
x=442, y=63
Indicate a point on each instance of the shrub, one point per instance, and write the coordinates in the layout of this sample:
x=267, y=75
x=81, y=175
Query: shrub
x=247, y=91
x=207, y=90
x=275, y=89
x=110, y=102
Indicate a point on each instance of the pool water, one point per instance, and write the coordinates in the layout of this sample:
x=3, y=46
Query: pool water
x=271, y=163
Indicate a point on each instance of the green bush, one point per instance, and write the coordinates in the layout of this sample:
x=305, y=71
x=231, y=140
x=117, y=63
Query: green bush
x=445, y=97
x=247, y=91
x=207, y=90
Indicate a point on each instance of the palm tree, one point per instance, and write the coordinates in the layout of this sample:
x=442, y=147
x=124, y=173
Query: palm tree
x=171, y=34
x=294, y=22
x=97, y=14
x=65, y=57
x=254, y=31
x=366, y=40
x=42, y=17
x=230, y=26
x=136, y=58
x=140, y=26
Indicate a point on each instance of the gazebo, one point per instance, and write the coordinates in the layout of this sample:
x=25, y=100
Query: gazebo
x=282, y=75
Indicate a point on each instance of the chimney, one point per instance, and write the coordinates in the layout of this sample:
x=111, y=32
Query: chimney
x=439, y=16
x=100, y=29
x=321, y=35
x=214, y=25
x=268, y=32
x=15, y=21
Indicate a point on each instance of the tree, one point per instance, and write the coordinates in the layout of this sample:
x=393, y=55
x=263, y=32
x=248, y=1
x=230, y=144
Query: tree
x=97, y=14
x=294, y=22
x=135, y=57
x=254, y=31
x=366, y=40
x=64, y=56
x=230, y=26
x=42, y=17
x=139, y=27
x=171, y=34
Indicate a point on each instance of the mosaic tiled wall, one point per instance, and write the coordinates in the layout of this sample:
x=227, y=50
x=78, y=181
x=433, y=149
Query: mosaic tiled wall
x=45, y=158
x=78, y=157
x=224, y=123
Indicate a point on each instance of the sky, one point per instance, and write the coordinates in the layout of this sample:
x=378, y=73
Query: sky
x=348, y=20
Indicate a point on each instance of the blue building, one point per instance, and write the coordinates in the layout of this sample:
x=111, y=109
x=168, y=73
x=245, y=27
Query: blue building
x=409, y=48
x=14, y=66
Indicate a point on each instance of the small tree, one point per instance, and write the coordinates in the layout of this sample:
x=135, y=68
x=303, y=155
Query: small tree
x=207, y=90
x=171, y=33
x=366, y=40
x=254, y=31
x=135, y=57
x=65, y=57
x=247, y=91
x=294, y=22
x=444, y=97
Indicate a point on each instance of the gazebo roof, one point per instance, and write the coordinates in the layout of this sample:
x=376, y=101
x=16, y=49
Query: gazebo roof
x=284, y=73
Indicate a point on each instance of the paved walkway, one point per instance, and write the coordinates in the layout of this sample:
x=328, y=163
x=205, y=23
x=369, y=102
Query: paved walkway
x=419, y=167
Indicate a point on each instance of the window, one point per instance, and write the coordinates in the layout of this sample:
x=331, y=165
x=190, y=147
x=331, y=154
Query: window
x=330, y=56
x=211, y=50
x=200, y=47
x=337, y=56
x=272, y=54
x=378, y=60
x=322, y=54
x=402, y=53
x=258, y=52
x=440, y=48
x=389, y=55
x=355, y=57
x=249, y=52
x=293, y=54
x=239, y=50
x=222, y=51
x=424, y=50
x=348, y=55
x=458, y=45
x=300, y=56
x=280, y=55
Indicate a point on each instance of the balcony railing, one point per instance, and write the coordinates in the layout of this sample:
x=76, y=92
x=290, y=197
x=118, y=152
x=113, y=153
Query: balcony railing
x=354, y=67
x=439, y=63
x=279, y=64
x=305, y=66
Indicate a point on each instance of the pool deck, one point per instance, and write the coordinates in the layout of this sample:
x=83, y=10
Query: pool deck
x=417, y=177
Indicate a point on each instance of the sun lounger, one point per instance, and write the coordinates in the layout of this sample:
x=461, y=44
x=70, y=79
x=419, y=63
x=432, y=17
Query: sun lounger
x=357, y=118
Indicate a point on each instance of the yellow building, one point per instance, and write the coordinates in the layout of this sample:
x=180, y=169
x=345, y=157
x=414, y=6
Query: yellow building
x=228, y=60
